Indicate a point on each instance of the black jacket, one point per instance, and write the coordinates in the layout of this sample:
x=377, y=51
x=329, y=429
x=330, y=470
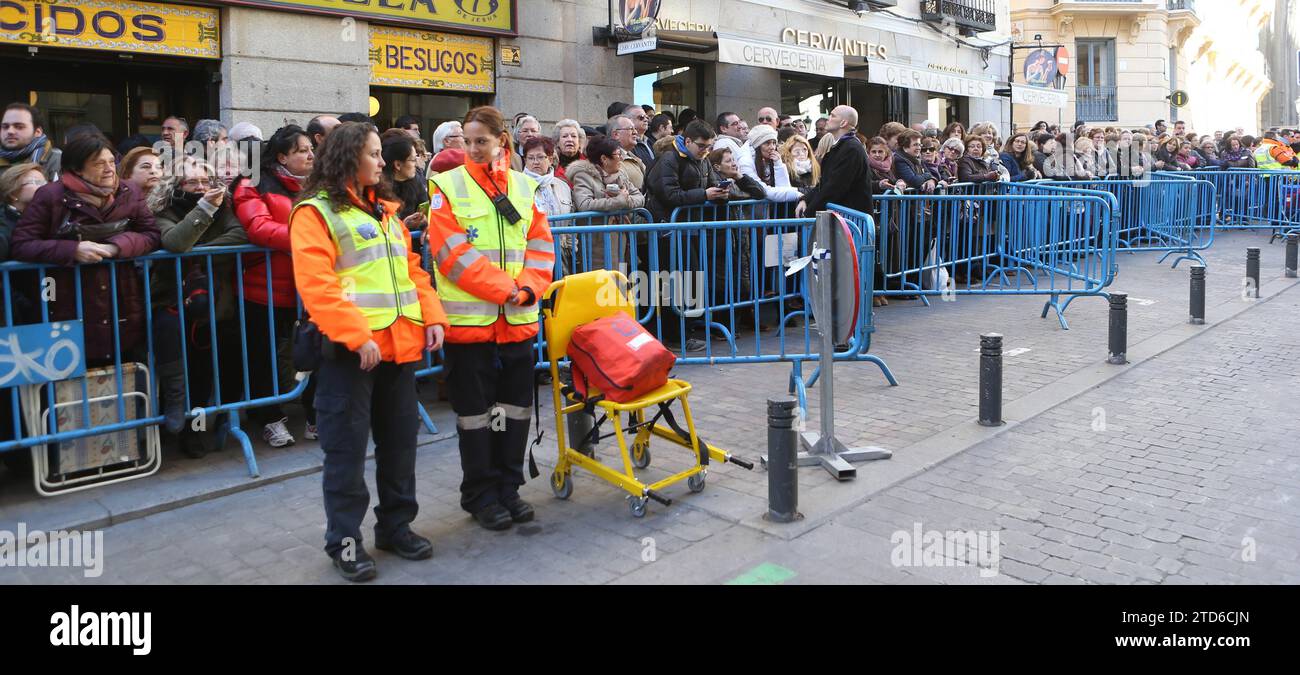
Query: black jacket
x=675, y=181
x=910, y=170
x=846, y=179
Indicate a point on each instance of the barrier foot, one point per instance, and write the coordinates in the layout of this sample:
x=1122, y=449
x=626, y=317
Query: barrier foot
x=247, y=445
x=1186, y=255
x=884, y=368
x=1055, y=304
x=799, y=388
x=424, y=416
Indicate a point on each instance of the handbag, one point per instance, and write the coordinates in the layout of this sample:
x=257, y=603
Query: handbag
x=96, y=232
x=307, y=345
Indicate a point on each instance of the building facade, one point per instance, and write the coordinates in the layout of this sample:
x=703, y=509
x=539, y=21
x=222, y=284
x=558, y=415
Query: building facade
x=1222, y=67
x=124, y=65
x=1280, y=41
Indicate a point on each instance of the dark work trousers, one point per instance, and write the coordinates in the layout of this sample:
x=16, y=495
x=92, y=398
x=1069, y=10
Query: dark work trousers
x=491, y=387
x=262, y=372
x=351, y=406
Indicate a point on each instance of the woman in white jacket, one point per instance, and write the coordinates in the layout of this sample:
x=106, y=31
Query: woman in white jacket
x=763, y=164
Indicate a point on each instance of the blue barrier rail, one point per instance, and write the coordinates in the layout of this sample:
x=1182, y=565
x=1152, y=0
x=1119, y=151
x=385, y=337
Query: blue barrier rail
x=998, y=239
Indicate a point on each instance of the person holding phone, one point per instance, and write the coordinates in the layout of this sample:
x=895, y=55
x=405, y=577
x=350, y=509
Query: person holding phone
x=372, y=300
x=402, y=171
x=494, y=260
x=193, y=210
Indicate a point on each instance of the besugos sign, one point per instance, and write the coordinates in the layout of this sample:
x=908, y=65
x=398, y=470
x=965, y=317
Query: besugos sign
x=113, y=25
x=480, y=16
x=425, y=60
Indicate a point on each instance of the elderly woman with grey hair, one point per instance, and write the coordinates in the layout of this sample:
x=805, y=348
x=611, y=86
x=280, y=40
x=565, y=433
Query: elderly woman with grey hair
x=527, y=127
x=211, y=133
x=448, y=135
x=570, y=142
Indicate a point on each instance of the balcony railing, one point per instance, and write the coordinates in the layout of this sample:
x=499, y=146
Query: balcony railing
x=1095, y=104
x=1189, y=5
x=970, y=16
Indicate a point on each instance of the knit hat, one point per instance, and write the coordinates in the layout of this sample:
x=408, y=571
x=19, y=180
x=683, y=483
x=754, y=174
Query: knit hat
x=447, y=160
x=760, y=134
x=245, y=130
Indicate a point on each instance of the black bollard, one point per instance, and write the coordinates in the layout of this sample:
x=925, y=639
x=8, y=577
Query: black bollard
x=990, y=380
x=1198, y=295
x=1292, y=255
x=1252, y=272
x=1118, y=329
x=782, y=461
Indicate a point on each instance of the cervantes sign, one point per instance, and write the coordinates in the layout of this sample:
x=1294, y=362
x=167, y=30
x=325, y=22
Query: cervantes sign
x=113, y=25
x=480, y=16
x=910, y=77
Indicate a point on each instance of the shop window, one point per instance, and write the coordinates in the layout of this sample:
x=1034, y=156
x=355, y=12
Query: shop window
x=66, y=109
x=810, y=97
x=431, y=109
x=667, y=86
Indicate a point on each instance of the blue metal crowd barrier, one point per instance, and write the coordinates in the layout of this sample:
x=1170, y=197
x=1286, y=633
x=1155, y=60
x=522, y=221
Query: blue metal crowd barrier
x=723, y=279
x=1174, y=216
x=1251, y=199
x=55, y=411
x=998, y=239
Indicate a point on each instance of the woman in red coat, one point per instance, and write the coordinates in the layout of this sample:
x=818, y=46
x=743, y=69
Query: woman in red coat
x=264, y=211
x=90, y=216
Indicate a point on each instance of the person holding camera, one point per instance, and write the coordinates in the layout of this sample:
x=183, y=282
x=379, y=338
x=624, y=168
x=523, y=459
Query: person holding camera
x=371, y=299
x=494, y=258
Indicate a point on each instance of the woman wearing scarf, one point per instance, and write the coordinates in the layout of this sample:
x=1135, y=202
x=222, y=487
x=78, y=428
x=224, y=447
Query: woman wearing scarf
x=804, y=169
x=264, y=209
x=88, y=216
x=194, y=211
x=1235, y=155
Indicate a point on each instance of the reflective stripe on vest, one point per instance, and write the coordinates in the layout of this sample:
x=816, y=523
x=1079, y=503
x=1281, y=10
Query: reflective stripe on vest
x=1264, y=158
x=503, y=244
x=371, y=264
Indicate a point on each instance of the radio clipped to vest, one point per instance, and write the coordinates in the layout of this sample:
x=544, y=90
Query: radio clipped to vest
x=505, y=208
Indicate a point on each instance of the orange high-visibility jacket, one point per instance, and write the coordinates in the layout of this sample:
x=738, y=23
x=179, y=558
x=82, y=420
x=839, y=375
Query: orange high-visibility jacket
x=314, y=254
x=483, y=278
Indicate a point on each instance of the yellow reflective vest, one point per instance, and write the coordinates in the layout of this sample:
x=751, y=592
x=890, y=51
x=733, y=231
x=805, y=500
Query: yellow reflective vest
x=501, y=242
x=371, y=264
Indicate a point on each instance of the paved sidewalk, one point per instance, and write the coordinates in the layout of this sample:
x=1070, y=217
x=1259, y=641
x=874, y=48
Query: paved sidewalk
x=1196, y=456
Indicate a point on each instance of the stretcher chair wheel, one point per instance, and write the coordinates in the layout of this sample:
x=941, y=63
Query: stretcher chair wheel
x=561, y=484
x=696, y=482
x=637, y=505
x=641, y=455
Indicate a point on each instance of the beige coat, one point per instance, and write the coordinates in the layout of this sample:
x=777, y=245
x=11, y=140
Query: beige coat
x=589, y=193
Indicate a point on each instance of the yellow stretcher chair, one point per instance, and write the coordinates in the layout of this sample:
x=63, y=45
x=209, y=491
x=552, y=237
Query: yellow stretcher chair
x=572, y=302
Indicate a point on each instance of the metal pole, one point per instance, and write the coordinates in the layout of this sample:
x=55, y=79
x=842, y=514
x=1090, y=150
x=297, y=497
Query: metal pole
x=1118, y=329
x=990, y=380
x=782, y=460
x=826, y=324
x=1252, y=271
x=1292, y=254
x=1198, y=295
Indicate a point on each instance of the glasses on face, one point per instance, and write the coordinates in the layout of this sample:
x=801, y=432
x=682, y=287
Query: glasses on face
x=451, y=136
x=535, y=159
x=197, y=183
x=928, y=151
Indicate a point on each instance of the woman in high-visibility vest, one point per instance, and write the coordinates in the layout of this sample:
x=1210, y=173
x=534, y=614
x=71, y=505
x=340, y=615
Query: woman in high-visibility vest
x=367, y=292
x=493, y=260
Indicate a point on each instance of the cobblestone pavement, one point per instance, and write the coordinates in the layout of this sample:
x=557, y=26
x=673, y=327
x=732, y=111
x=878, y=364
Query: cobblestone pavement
x=1179, y=469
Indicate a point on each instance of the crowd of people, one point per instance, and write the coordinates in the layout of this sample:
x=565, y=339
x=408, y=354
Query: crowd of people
x=331, y=207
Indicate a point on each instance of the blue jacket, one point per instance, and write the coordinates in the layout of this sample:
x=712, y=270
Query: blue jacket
x=1009, y=161
x=910, y=170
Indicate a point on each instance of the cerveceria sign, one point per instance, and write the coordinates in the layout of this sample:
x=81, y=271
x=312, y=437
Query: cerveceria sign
x=482, y=16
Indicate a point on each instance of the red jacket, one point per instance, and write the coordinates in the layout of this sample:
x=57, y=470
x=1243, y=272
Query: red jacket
x=264, y=210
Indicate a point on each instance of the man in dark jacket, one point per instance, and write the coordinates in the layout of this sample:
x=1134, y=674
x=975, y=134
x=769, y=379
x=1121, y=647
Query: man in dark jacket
x=846, y=175
x=680, y=177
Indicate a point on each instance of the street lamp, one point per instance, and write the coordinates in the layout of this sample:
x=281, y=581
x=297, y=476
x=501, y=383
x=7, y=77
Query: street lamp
x=859, y=7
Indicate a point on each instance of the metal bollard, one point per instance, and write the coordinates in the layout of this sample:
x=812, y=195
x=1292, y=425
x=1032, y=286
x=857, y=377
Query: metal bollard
x=1292, y=255
x=990, y=380
x=1118, y=329
x=1198, y=295
x=1252, y=271
x=782, y=461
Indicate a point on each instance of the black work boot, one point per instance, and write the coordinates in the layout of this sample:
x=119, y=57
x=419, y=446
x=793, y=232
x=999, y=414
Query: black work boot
x=360, y=568
x=406, y=544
